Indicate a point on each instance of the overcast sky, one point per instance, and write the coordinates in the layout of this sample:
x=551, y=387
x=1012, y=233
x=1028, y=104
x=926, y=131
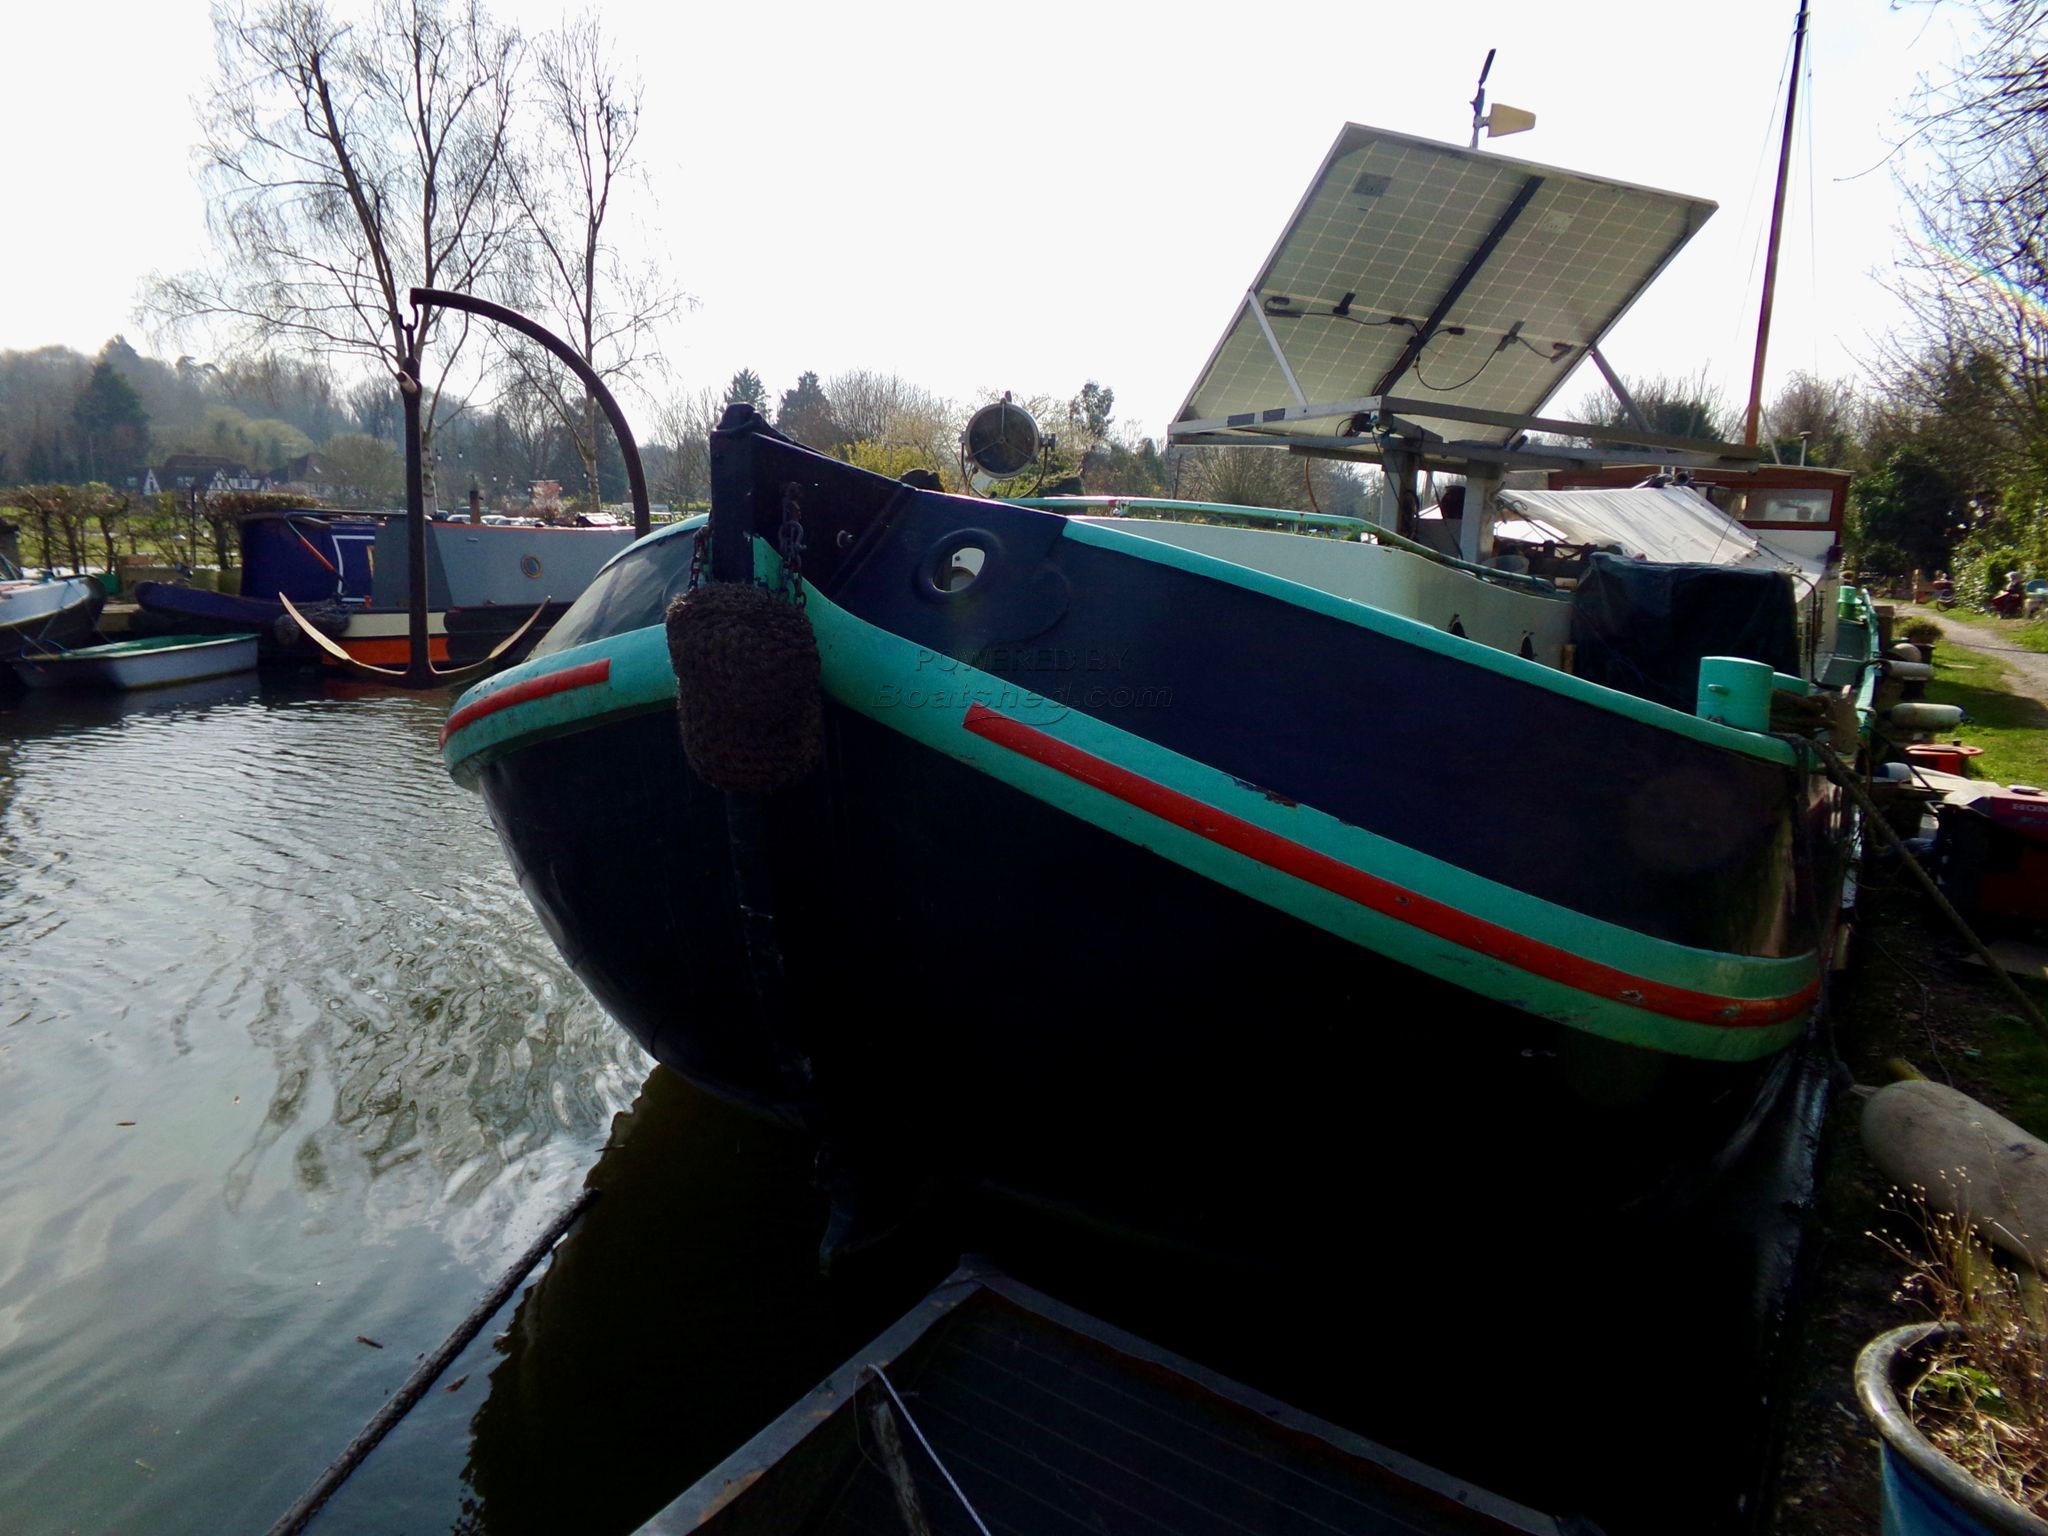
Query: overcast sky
x=1026, y=196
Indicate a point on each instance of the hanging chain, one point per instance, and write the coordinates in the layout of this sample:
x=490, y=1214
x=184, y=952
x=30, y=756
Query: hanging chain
x=700, y=547
x=790, y=541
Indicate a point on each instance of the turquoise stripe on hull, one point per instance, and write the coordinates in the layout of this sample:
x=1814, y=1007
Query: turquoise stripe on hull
x=641, y=680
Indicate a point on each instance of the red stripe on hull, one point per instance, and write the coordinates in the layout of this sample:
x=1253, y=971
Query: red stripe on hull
x=589, y=674
x=1383, y=896
x=395, y=652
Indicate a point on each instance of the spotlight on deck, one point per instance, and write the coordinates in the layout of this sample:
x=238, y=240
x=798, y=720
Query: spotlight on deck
x=1000, y=442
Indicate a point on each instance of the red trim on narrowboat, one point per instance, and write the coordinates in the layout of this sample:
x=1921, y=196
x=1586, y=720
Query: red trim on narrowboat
x=388, y=650
x=546, y=685
x=1383, y=896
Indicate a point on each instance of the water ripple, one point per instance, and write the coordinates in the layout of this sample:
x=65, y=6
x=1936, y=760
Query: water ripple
x=284, y=1058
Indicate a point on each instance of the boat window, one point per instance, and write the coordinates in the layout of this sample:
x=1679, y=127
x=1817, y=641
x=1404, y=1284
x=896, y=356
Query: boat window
x=358, y=563
x=1780, y=506
x=631, y=593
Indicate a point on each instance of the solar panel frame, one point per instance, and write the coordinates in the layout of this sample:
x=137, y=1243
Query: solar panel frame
x=1387, y=228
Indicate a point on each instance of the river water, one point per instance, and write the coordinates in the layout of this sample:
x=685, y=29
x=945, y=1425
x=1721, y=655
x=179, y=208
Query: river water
x=285, y=1060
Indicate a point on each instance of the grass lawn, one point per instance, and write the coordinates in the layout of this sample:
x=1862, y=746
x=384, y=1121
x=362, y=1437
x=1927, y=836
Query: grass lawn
x=2012, y=730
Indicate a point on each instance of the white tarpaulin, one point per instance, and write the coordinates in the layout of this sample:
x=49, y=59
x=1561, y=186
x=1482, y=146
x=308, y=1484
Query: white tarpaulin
x=1669, y=523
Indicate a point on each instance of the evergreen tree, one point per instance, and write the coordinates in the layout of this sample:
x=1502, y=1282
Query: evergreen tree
x=113, y=429
x=746, y=388
x=806, y=415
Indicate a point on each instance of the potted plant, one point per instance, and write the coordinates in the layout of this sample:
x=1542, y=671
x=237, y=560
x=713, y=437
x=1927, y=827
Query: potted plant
x=1922, y=633
x=1960, y=1404
x=1899, y=1375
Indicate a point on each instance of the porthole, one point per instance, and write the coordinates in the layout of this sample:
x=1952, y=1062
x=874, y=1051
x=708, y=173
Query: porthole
x=960, y=563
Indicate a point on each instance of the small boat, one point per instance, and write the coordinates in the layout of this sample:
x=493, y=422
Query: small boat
x=152, y=662
x=53, y=611
x=992, y=1407
x=1199, y=868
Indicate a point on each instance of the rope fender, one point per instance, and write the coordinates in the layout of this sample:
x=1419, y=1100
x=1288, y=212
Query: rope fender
x=748, y=695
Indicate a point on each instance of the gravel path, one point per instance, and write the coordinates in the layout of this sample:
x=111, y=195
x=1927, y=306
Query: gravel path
x=2029, y=668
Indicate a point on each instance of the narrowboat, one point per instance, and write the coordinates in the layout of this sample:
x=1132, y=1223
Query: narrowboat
x=484, y=580
x=1231, y=873
x=347, y=574
x=319, y=560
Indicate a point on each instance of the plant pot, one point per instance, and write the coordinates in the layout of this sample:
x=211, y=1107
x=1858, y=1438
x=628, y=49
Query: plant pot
x=1925, y=1494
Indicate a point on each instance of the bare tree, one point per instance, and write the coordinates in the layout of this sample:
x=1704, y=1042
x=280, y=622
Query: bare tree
x=579, y=159
x=1256, y=477
x=1974, y=272
x=684, y=423
x=867, y=403
x=1992, y=102
x=350, y=160
x=1826, y=419
x=887, y=410
x=531, y=428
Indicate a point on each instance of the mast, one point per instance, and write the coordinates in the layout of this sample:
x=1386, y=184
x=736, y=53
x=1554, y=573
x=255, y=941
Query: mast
x=1763, y=320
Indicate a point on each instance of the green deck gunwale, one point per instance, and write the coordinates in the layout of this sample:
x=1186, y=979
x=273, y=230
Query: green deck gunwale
x=640, y=682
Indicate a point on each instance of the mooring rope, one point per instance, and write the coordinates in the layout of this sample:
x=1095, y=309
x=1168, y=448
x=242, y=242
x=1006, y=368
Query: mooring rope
x=424, y=1374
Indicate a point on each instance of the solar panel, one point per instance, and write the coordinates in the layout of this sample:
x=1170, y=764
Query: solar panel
x=1433, y=274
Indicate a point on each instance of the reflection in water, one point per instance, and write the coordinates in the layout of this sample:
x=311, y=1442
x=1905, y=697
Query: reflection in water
x=688, y=1310
x=284, y=1060
x=685, y=1311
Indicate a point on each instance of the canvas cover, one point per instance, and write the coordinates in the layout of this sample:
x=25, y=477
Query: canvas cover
x=1669, y=523
x=1642, y=627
